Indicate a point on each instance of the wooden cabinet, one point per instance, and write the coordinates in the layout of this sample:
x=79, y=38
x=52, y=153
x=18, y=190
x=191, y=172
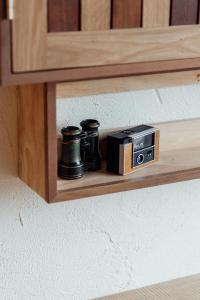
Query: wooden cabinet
x=54, y=48
x=71, y=40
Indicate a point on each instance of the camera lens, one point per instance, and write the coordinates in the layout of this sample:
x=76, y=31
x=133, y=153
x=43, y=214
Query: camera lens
x=140, y=159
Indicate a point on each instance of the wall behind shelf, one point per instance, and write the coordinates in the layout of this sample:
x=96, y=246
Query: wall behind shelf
x=87, y=248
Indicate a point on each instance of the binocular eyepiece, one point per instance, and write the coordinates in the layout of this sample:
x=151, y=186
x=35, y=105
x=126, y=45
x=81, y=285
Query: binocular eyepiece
x=80, y=150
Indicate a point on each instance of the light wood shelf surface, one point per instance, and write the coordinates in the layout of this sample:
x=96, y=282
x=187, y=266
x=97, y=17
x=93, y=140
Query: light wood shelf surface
x=179, y=160
x=187, y=288
x=126, y=84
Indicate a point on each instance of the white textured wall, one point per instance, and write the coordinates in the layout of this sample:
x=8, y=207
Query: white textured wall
x=88, y=248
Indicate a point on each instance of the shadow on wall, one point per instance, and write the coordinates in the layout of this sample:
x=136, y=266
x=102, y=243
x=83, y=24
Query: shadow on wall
x=8, y=135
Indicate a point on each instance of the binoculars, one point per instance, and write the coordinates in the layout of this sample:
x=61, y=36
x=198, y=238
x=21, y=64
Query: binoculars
x=80, y=150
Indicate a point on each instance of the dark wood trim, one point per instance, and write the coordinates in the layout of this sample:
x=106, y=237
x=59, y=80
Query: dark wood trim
x=51, y=141
x=126, y=13
x=79, y=74
x=2, y=16
x=184, y=12
x=3, y=9
x=63, y=15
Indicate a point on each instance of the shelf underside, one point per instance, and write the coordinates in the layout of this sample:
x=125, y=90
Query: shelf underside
x=179, y=161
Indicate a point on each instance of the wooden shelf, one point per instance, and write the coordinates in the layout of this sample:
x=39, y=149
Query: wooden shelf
x=179, y=160
x=179, y=153
x=173, y=166
x=185, y=289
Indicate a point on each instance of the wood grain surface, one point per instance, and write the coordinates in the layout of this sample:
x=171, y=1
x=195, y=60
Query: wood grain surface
x=184, y=12
x=95, y=15
x=187, y=288
x=29, y=35
x=31, y=133
x=156, y=13
x=8, y=136
x=126, y=13
x=63, y=15
x=122, y=46
x=3, y=9
x=51, y=142
x=35, y=50
x=87, y=73
x=123, y=84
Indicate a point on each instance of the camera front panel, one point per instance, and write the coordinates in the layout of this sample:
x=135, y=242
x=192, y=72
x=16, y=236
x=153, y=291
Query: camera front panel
x=143, y=149
x=143, y=156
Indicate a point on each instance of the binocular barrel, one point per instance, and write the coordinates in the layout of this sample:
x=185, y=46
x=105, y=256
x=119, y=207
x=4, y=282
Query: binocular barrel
x=71, y=165
x=90, y=151
x=80, y=150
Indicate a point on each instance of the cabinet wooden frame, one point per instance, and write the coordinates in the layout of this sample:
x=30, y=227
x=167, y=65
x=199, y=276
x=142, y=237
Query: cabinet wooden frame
x=8, y=77
x=34, y=48
x=35, y=69
x=38, y=154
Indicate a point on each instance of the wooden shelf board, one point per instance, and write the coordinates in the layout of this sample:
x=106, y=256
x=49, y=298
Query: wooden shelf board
x=187, y=288
x=182, y=166
x=178, y=162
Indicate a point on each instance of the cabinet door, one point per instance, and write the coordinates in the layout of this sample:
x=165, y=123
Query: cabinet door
x=68, y=34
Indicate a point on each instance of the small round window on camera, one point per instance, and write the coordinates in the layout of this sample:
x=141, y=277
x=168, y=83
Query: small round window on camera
x=140, y=159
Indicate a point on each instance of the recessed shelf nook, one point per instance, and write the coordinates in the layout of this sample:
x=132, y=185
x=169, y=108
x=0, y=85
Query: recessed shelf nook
x=179, y=153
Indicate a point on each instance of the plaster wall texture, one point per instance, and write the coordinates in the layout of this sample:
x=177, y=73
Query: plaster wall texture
x=83, y=249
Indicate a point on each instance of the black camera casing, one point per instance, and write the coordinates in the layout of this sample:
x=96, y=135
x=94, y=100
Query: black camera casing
x=132, y=149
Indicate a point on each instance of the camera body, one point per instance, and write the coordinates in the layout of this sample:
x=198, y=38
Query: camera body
x=132, y=149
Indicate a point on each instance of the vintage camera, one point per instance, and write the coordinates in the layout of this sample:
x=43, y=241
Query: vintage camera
x=131, y=149
x=80, y=150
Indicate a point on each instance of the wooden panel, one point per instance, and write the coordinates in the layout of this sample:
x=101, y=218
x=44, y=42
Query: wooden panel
x=199, y=15
x=184, y=12
x=63, y=15
x=126, y=13
x=70, y=75
x=29, y=35
x=187, y=288
x=32, y=141
x=51, y=142
x=3, y=9
x=174, y=165
x=2, y=16
x=122, y=46
x=95, y=15
x=8, y=135
x=122, y=84
x=156, y=13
